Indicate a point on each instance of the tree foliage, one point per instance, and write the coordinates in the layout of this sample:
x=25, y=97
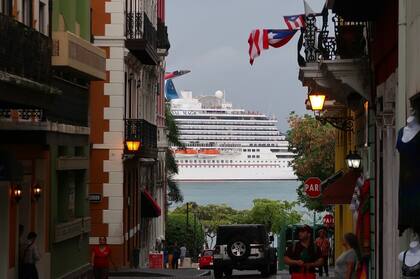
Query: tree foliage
x=174, y=193
x=314, y=145
x=272, y=213
x=176, y=230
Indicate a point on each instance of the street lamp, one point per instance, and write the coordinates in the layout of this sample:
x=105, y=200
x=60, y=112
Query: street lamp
x=353, y=160
x=17, y=192
x=132, y=145
x=36, y=190
x=317, y=101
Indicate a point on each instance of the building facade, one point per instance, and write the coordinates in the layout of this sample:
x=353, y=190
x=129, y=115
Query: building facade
x=369, y=75
x=127, y=111
x=46, y=65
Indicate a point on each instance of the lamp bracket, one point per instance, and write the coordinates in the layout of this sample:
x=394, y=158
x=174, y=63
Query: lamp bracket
x=341, y=123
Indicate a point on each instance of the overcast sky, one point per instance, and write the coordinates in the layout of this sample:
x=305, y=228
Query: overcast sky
x=210, y=39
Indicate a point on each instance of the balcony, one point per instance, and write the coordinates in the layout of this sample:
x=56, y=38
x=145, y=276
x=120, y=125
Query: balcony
x=141, y=38
x=144, y=132
x=335, y=64
x=78, y=56
x=25, y=56
x=162, y=36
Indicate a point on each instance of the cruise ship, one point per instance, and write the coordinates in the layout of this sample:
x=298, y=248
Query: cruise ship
x=225, y=143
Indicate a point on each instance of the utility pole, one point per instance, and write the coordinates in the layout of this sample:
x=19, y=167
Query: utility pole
x=314, y=236
x=187, y=221
x=194, y=238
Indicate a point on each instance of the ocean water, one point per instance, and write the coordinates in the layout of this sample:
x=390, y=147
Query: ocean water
x=238, y=194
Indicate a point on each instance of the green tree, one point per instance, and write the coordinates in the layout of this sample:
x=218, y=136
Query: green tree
x=174, y=193
x=176, y=230
x=314, y=146
x=274, y=214
x=213, y=215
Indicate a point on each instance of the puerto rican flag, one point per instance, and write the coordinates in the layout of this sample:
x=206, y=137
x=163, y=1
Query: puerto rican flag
x=294, y=22
x=260, y=39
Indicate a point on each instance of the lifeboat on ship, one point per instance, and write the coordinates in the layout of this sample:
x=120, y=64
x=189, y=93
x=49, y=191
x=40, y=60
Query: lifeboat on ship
x=208, y=152
x=186, y=152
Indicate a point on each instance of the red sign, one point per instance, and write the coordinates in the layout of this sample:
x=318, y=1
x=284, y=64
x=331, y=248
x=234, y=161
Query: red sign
x=328, y=220
x=155, y=260
x=313, y=187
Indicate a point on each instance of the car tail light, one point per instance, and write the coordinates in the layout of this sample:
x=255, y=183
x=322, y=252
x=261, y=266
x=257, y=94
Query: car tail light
x=217, y=249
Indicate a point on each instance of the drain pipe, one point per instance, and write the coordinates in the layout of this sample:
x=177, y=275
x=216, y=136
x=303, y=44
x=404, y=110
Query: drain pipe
x=401, y=98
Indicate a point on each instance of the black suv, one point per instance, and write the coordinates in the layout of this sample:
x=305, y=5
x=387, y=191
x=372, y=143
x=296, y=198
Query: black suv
x=244, y=247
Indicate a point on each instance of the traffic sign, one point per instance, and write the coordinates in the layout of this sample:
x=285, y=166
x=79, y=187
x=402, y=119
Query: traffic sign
x=328, y=220
x=313, y=187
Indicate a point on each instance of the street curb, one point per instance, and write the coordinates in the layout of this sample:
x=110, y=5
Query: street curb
x=133, y=273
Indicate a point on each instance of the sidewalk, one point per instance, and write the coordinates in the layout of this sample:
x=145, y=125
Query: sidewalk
x=147, y=272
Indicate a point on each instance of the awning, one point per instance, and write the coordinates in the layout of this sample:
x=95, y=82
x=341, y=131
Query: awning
x=341, y=191
x=149, y=207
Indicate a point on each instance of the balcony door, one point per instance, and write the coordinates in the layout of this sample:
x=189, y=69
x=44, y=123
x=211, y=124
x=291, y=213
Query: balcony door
x=6, y=7
x=27, y=8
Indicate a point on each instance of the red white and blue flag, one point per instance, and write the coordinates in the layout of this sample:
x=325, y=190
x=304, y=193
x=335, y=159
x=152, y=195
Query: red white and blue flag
x=294, y=22
x=260, y=39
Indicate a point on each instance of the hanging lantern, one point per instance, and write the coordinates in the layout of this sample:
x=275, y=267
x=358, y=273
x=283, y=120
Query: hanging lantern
x=317, y=101
x=132, y=145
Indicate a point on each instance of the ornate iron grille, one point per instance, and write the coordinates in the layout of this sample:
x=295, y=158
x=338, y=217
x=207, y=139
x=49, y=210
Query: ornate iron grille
x=348, y=40
x=24, y=51
x=139, y=129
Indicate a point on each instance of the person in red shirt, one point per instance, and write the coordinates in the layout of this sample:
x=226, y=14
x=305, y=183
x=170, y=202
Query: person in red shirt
x=101, y=257
x=324, y=245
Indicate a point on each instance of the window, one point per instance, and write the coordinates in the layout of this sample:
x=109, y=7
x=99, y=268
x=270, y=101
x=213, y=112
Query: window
x=253, y=156
x=6, y=7
x=249, y=156
x=42, y=15
x=27, y=12
x=253, y=150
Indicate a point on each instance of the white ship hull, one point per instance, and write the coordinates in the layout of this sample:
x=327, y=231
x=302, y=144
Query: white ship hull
x=223, y=143
x=230, y=173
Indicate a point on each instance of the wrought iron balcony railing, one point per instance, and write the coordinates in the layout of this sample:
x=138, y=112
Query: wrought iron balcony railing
x=143, y=131
x=348, y=41
x=24, y=51
x=141, y=37
x=162, y=36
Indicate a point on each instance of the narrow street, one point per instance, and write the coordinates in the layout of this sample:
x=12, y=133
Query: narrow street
x=161, y=139
x=188, y=273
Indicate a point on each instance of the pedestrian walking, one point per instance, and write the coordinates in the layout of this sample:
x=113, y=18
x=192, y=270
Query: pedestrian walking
x=304, y=256
x=176, y=256
x=323, y=245
x=30, y=256
x=347, y=263
x=183, y=253
x=101, y=257
x=165, y=254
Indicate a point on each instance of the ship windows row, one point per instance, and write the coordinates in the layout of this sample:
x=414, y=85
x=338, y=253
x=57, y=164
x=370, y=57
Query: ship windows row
x=236, y=166
x=254, y=156
x=251, y=150
x=230, y=161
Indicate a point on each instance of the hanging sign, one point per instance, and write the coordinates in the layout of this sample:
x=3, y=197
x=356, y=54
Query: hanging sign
x=313, y=187
x=328, y=220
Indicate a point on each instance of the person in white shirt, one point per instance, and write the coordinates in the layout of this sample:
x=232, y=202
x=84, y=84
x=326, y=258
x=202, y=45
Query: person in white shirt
x=183, y=253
